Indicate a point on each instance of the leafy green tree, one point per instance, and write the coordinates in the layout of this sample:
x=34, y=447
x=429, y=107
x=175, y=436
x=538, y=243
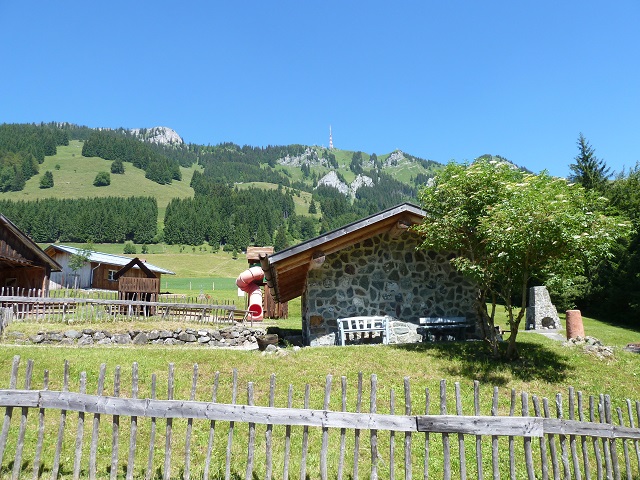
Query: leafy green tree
x=588, y=170
x=312, y=207
x=46, y=181
x=508, y=228
x=117, y=167
x=129, y=248
x=102, y=179
x=80, y=259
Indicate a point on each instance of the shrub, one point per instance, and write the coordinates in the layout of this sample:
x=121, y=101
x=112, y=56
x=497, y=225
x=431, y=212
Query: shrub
x=129, y=248
x=102, y=179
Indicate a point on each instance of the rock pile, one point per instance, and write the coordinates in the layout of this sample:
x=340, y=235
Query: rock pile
x=591, y=345
x=234, y=336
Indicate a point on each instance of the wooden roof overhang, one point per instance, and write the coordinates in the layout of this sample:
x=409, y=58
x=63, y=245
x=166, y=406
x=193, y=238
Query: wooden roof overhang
x=21, y=251
x=286, y=271
x=130, y=265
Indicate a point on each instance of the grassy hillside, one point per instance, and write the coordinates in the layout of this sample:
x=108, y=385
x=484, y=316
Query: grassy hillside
x=74, y=179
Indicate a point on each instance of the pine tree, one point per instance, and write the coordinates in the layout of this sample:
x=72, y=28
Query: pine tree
x=589, y=171
x=46, y=181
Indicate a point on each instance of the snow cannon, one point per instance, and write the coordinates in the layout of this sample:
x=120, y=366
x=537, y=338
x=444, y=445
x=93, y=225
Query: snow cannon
x=250, y=281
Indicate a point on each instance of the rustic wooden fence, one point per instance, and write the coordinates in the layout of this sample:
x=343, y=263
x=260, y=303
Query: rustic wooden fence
x=59, y=433
x=87, y=309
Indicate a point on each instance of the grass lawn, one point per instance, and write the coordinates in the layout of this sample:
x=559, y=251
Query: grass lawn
x=546, y=367
x=75, y=175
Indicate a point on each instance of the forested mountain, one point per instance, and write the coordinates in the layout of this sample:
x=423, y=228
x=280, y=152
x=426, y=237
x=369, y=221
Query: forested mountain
x=337, y=186
x=22, y=149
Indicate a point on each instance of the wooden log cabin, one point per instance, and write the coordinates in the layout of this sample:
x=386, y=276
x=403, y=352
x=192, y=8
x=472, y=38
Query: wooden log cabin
x=23, y=264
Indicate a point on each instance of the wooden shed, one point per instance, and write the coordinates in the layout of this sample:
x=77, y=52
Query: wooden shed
x=23, y=264
x=137, y=284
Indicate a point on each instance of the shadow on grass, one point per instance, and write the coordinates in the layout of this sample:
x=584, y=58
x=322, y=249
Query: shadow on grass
x=473, y=360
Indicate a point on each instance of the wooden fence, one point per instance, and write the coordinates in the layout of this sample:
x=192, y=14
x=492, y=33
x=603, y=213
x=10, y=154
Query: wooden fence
x=58, y=433
x=46, y=309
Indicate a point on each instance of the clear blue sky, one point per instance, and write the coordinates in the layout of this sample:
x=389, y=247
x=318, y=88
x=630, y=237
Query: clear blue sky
x=443, y=80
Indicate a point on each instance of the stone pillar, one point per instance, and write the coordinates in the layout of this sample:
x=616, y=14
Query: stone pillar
x=575, y=328
x=541, y=313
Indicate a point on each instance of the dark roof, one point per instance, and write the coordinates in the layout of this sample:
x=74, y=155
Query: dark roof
x=40, y=257
x=130, y=265
x=286, y=271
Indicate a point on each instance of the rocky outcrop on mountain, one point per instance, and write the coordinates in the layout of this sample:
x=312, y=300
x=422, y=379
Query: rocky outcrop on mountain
x=161, y=135
x=331, y=180
x=309, y=157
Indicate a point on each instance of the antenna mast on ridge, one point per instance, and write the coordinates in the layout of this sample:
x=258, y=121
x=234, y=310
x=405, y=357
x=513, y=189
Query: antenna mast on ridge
x=330, y=139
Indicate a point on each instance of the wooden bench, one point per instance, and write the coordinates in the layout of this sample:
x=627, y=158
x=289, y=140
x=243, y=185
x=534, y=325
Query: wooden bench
x=354, y=325
x=439, y=327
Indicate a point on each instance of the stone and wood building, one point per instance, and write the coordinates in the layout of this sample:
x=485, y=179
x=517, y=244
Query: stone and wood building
x=101, y=270
x=371, y=267
x=23, y=264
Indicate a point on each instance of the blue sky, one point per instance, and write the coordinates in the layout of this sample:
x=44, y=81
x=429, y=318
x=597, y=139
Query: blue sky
x=442, y=80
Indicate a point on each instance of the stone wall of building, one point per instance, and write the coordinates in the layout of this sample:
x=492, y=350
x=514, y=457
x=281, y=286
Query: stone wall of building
x=383, y=276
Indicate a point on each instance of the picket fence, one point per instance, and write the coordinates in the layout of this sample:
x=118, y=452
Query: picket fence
x=212, y=439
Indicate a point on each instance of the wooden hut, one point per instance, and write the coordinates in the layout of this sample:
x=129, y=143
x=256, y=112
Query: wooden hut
x=137, y=284
x=23, y=264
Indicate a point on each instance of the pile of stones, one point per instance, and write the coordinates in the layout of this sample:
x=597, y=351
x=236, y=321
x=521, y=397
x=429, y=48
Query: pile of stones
x=234, y=336
x=590, y=345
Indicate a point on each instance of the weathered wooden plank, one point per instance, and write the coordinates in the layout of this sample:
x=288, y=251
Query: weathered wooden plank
x=251, y=444
x=268, y=436
x=373, y=434
x=133, y=429
x=17, y=462
x=446, y=448
x=212, y=429
x=564, y=452
x=461, y=449
x=287, y=437
x=187, y=441
x=583, y=441
x=612, y=440
x=528, y=453
x=9, y=410
x=407, y=435
x=115, y=428
x=152, y=434
x=636, y=443
x=80, y=431
x=356, y=433
x=605, y=444
x=476, y=412
x=512, y=457
x=427, y=447
x=55, y=469
x=169, y=426
x=494, y=438
x=343, y=430
x=305, y=438
x=596, y=446
x=93, y=452
x=324, y=448
x=572, y=438
x=552, y=442
x=392, y=437
x=543, y=443
x=234, y=394
x=625, y=447
x=39, y=442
